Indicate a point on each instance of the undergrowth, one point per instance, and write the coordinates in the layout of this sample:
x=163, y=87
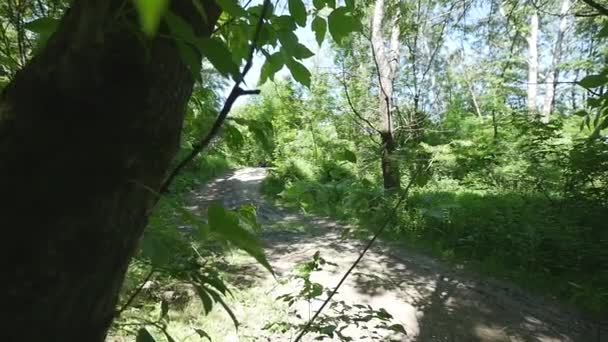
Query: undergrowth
x=531, y=208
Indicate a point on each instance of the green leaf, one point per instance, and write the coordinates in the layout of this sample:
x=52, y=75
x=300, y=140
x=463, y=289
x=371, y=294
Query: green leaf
x=398, y=328
x=214, y=281
x=232, y=7
x=180, y=29
x=226, y=225
x=298, y=12
x=328, y=330
x=291, y=47
x=319, y=26
x=299, y=72
x=268, y=36
x=218, y=54
x=383, y=314
x=422, y=179
x=150, y=13
x=302, y=52
x=218, y=298
x=185, y=39
x=42, y=26
x=581, y=113
x=319, y=4
x=348, y=155
x=593, y=81
x=289, y=42
x=156, y=248
x=341, y=23
x=331, y=3
x=595, y=102
x=260, y=135
x=248, y=214
x=315, y=291
x=205, y=298
x=233, y=137
x=190, y=56
x=203, y=334
x=283, y=23
x=200, y=9
x=271, y=66
x=349, y=3
x=603, y=32
x=169, y=337
x=144, y=336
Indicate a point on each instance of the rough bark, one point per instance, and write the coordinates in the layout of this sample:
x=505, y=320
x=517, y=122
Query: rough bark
x=553, y=74
x=387, y=63
x=533, y=63
x=85, y=128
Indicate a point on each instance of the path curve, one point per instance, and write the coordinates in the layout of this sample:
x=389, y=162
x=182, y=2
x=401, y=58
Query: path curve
x=432, y=300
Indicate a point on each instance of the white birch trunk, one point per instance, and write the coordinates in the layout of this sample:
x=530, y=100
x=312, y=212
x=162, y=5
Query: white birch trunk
x=533, y=63
x=553, y=74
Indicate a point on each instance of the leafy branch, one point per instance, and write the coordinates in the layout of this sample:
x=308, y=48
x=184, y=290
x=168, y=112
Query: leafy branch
x=235, y=93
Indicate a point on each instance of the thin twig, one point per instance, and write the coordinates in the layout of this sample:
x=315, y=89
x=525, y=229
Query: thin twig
x=353, y=109
x=235, y=93
x=388, y=220
x=136, y=293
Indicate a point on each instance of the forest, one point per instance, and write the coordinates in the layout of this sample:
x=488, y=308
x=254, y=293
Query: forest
x=295, y=170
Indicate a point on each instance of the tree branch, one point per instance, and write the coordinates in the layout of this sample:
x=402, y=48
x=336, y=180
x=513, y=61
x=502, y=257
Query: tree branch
x=601, y=9
x=352, y=106
x=388, y=220
x=235, y=93
x=136, y=293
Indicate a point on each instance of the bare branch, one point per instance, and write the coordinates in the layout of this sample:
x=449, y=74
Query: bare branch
x=136, y=292
x=352, y=107
x=388, y=220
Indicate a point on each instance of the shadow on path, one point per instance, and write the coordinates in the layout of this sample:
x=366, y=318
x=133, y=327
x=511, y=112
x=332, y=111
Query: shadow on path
x=433, y=301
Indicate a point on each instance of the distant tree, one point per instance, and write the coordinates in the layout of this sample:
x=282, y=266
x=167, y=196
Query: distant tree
x=387, y=62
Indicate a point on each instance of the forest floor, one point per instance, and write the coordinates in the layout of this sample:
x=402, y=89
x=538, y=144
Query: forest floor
x=433, y=300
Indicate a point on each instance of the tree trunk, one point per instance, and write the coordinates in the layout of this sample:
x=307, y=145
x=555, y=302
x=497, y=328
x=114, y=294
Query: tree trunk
x=387, y=66
x=473, y=96
x=533, y=63
x=553, y=74
x=86, y=128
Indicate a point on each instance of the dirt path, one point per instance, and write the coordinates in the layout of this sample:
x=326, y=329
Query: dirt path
x=433, y=301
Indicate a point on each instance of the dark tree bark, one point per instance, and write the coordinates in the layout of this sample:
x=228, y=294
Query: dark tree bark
x=86, y=128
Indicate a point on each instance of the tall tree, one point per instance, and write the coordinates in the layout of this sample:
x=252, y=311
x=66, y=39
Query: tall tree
x=533, y=62
x=553, y=73
x=387, y=62
x=87, y=127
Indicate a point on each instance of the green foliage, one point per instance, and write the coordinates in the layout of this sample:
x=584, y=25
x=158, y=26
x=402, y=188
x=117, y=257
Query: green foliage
x=299, y=72
x=44, y=28
x=528, y=203
x=150, y=14
x=341, y=22
x=227, y=226
x=298, y=12
x=319, y=26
